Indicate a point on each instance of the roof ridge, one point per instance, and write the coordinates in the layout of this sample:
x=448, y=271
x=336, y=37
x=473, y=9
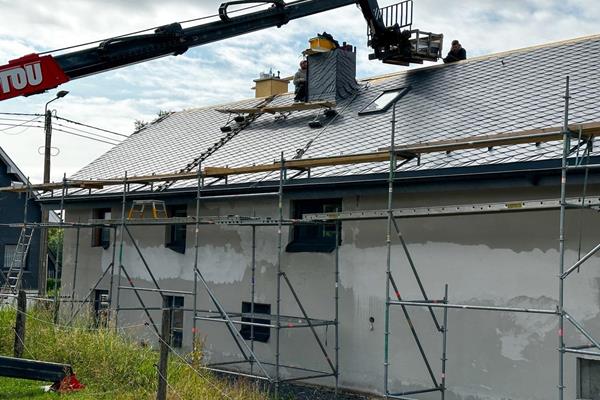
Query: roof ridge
x=488, y=56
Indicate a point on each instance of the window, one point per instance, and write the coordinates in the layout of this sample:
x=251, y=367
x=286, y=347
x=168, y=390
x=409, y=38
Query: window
x=101, y=308
x=101, y=234
x=176, y=303
x=313, y=238
x=261, y=333
x=384, y=101
x=176, y=234
x=588, y=379
x=9, y=253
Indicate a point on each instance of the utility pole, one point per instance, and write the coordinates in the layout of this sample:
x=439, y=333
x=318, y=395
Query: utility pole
x=43, y=261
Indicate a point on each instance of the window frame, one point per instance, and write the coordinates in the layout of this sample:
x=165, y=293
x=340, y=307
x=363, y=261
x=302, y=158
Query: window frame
x=6, y=267
x=400, y=93
x=176, y=303
x=176, y=234
x=318, y=238
x=100, y=313
x=101, y=234
x=261, y=333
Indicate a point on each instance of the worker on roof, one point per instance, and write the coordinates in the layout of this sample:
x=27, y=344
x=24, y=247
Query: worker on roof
x=300, y=82
x=456, y=53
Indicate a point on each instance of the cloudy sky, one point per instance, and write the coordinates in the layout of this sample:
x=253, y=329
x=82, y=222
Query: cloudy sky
x=223, y=71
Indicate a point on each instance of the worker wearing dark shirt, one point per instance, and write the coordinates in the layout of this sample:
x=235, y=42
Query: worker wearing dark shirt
x=456, y=53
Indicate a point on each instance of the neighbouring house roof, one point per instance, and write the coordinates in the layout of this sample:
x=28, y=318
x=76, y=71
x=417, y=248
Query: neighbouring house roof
x=510, y=91
x=11, y=168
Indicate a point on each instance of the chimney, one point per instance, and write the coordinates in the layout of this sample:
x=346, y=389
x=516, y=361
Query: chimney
x=331, y=73
x=268, y=84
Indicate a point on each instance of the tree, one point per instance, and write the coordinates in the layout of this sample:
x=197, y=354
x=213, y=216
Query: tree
x=140, y=124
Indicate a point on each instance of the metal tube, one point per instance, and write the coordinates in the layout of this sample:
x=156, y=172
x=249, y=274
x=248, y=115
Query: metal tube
x=237, y=337
x=309, y=322
x=582, y=330
x=583, y=352
x=144, y=289
x=83, y=302
x=561, y=241
x=471, y=307
x=301, y=378
x=444, y=343
x=279, y=249
x=141, y=257
x=75, y=272
x=580, y=261
x=336, y=301
x=251, y=324
x=419, y=391
x=413, y=331
x=388, y=242
x=196, y=253
x=253, y=294
x=586, y=166
x=112, y=268
x=135, y=290
x=415, y=273
x=122, y=237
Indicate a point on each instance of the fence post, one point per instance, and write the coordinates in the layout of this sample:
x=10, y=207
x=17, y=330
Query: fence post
x=20, y=324
x=165, y=334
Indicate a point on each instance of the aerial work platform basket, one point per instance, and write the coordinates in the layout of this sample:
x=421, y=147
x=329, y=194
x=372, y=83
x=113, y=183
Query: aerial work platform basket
x=398, y=43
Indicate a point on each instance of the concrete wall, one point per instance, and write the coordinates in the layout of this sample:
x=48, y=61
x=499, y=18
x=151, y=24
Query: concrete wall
x=505, y=260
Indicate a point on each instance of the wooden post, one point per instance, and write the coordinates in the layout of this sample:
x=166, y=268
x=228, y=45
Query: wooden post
x=165, y=333
x=20, y=324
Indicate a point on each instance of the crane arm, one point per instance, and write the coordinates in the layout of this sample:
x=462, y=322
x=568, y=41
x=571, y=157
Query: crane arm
x=34, y=74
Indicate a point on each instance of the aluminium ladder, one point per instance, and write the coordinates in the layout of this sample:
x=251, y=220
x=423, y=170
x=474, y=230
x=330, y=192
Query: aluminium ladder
x=12, y=282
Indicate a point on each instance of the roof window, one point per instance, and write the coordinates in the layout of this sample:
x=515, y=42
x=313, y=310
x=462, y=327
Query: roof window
x=384, y=101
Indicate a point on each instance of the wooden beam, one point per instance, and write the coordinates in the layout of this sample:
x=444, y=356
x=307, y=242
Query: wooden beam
x=279, y=109
x=588, y=131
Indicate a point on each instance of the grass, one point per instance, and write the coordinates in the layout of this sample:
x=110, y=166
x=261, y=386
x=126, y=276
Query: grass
x=110, y=365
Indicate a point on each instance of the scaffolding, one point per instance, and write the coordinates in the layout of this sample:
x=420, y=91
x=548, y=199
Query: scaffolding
x=257, y=368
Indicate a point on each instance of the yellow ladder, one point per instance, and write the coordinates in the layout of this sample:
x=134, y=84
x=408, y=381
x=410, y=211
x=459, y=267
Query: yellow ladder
x=138, y=208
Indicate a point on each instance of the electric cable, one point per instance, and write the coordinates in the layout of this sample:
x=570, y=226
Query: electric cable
x=83, y=136
x=85, y=132
x=21, y=124
x=142, y=31
x=90, y=126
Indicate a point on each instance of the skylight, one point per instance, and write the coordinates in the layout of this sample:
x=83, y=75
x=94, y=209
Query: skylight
x=384, y=101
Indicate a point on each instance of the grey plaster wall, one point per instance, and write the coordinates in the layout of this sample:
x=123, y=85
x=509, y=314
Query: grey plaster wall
x=506, y=260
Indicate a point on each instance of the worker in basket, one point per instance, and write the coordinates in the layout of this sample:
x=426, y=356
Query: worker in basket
x=456, y=53
x=300, y=82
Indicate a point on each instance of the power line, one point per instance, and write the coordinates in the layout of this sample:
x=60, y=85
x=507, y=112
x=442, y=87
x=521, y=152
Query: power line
x=82, y=131
x=86, y=137
x=21, y=124
x=144, y=30
x=27, y=114
x=90, y=126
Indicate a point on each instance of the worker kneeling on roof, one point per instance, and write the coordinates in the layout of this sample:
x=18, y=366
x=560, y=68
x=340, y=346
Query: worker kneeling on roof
x=456, y=53
x=300, y=82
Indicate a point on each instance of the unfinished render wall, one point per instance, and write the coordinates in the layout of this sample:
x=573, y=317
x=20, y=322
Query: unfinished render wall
x=506, y=260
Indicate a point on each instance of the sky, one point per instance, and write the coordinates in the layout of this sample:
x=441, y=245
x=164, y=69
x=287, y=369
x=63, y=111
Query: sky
x=223, y=71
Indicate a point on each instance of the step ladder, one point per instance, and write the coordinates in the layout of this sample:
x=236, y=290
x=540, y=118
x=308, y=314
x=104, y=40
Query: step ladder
x=138, y=208
x=13, y=278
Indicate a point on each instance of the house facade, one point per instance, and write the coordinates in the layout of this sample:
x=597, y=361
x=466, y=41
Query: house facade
x=12, y=208
x=508, y=259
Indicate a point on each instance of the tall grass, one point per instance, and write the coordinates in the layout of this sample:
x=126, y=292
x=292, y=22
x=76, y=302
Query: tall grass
x=113, y=366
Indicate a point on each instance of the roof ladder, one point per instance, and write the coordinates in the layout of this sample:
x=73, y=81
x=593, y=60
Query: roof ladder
x=12, y=284
x=243, y=123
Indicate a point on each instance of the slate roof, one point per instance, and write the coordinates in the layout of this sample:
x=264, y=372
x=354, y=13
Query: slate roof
x=511, y=91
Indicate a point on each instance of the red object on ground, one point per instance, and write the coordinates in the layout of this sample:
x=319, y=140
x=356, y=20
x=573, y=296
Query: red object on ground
x=68, y=384
x=30, y=75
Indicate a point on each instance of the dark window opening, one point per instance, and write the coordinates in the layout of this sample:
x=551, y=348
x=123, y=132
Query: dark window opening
x=318, y=237
x=176, y=234
x=176, y=303
x=101, y=234
x=384, y=101
x=101, y=308
x=261, y=333
x=588, y=379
